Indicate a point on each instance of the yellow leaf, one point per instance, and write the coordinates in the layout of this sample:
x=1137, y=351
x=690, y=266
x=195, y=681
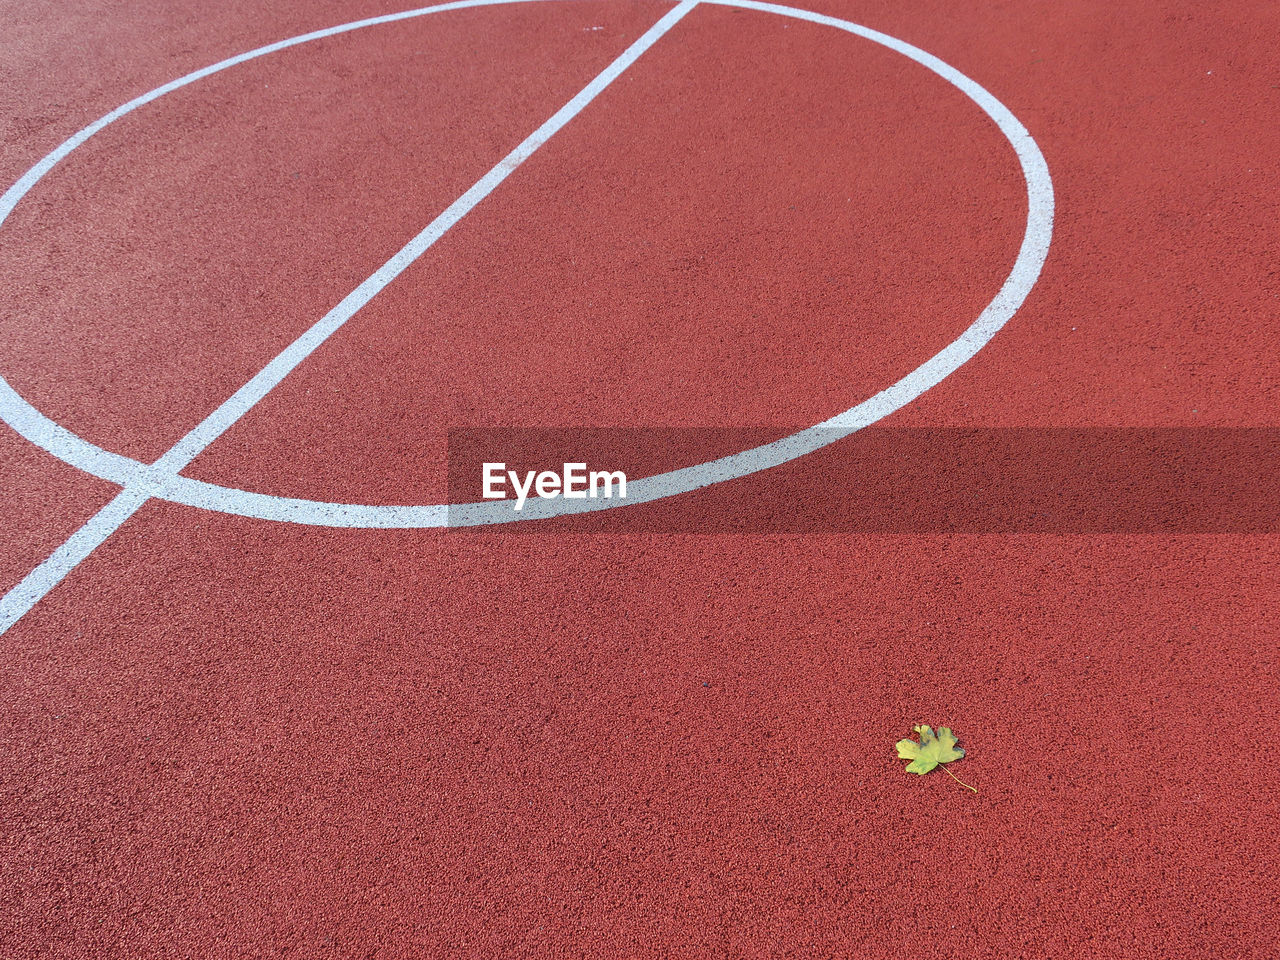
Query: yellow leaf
x=931, y=751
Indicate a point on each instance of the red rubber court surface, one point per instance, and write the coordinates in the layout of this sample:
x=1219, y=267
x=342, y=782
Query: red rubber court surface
x=223, y=736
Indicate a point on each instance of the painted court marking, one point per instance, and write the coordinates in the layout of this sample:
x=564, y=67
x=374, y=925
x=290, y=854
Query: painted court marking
x=162, y=479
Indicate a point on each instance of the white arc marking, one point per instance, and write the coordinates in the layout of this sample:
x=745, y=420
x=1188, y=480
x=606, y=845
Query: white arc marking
x=161, y=479
x=103, y=524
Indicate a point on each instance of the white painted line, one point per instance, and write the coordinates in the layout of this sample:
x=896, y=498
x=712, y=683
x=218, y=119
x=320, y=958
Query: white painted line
x=40, y=430
x=22, y=416
x=80, y=453
x=36, y=173
x=214, y=425
x=36, y=584
x=84, y=541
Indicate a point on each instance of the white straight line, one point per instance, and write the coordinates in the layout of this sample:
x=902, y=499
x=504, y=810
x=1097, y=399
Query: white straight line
x=190, y=446
x=37, y=173
x=32, y=589
x=240, y=402
x=37, y=584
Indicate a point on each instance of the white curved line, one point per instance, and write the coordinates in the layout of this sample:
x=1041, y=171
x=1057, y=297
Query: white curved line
x=162, y=479
x=29, y=422
x=142, y=482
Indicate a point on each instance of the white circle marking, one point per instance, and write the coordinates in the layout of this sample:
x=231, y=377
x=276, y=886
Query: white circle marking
x=86, y=456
